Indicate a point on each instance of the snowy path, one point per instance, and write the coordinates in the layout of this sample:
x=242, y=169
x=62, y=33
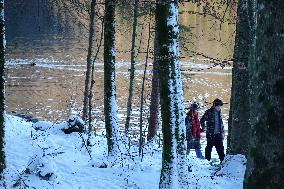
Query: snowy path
x=64, y=156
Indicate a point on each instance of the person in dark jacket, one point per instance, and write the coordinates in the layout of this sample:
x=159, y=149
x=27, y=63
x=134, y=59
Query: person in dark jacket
x=193, y=130
x=212, y=122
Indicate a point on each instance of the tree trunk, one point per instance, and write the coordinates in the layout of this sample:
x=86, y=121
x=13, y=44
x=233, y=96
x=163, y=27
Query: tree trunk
x=155, y=98
x=132, y=70
x=174, y=172
x=2, y=89
x=142, y=90
x=110, y=107
x=91, y=87
x=266, y=75
x=229, y=126
x=88, y=79
x=239, y=112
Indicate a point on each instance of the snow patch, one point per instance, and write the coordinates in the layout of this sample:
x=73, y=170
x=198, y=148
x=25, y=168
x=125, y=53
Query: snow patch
x=61, y=161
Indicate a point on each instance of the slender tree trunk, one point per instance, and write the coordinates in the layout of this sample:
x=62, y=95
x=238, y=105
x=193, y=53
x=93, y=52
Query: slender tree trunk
x=174, y=172
x=110, y=107
x=230, y=126
x=266, y=75
x=155, y=98
x=88, y=79
x=132, y=70
x=239, y=112
x=91, y=87
x=142, y=90
x=2, y=89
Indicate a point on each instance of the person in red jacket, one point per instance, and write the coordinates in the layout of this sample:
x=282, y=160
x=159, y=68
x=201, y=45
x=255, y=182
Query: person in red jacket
x=193, y=130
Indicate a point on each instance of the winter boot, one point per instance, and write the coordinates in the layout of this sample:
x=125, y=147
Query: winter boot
x=199, y=153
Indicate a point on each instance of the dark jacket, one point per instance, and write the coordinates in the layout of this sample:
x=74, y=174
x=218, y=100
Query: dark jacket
x=208, y=121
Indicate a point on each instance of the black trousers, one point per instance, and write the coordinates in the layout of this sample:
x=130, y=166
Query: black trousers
x=217, y=141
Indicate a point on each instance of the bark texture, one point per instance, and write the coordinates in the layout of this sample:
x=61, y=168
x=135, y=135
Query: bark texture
x=2, y=88
x=173, y=173
x=110, y=107
x=239, y=113
x=266, y=156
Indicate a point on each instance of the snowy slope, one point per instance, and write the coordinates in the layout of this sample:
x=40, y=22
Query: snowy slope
x=48, y=158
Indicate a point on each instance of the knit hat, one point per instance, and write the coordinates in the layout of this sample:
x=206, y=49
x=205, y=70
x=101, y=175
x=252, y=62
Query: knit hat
x=194, y=106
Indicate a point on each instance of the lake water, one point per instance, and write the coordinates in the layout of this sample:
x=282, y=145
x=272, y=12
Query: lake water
x=45, y=74
x=52, y=90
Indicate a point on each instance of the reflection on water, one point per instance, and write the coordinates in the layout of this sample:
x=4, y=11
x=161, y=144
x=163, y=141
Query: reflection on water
x=53, y=91
x=45, y=73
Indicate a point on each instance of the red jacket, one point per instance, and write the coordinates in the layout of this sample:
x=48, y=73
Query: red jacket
x=192, y=124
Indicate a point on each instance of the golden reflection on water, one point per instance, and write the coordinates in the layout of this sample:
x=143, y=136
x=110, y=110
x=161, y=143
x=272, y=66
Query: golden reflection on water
x=53, y=88
x=53, y=93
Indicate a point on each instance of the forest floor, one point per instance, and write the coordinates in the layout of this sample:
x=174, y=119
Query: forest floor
x=44, y=157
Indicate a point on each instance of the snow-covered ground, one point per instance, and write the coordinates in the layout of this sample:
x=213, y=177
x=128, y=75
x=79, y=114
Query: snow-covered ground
x=48, y=158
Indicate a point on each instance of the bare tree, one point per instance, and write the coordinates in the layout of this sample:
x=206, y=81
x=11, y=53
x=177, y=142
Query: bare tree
x=2, y=87
x=110, y=107
x=155, y=98
x=132, y=70
x=142, y=89
x=239, y=112
x=88, y=79
x=91, y=128
x=173, y=173
x=266, y=79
